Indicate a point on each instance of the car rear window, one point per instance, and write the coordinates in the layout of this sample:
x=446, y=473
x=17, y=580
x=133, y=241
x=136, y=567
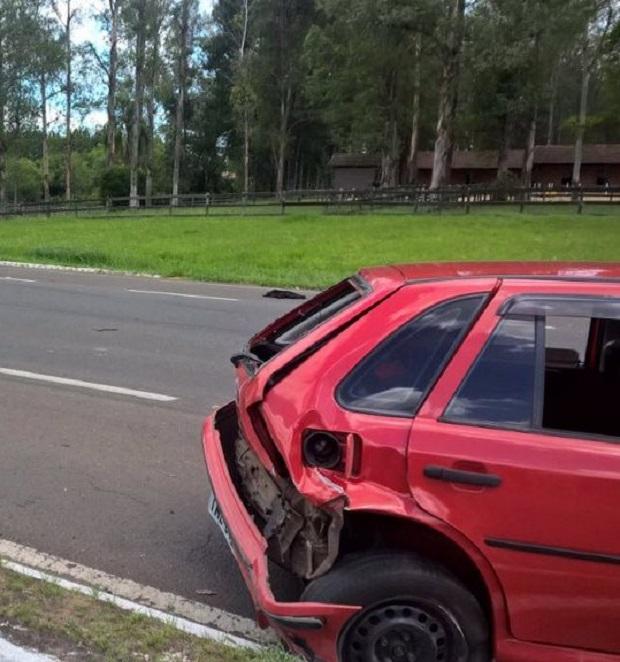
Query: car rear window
x=307, y=317
x=395, y=378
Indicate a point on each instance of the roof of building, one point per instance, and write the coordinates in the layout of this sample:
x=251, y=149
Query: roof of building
x=487, y=159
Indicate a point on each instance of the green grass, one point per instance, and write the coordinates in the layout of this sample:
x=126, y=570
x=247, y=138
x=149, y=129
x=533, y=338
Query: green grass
x=61, y=622
x=308, y=249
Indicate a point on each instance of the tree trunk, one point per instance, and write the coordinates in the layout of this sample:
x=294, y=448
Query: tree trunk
x=45, y=161
x=69, y=98
x=150, y=121
x=246, y=150
x=530, y=147
x=503, y=154
x=553, y=92
x=448, y=96
x=2, y=128
x=412, y=159
x=180, y=109
x=112, y=66
x=389, y=160
x=581, y=124
x=138, y=103
x=286, y=97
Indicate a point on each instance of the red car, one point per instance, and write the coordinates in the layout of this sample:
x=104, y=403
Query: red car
x=433, y=452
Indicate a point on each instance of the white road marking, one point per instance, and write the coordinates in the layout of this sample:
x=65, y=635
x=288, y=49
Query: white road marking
x=11, y=653
x=84, y=270
x=181, y=294
x=182, y=613
x=64, y=381
x=18, y=280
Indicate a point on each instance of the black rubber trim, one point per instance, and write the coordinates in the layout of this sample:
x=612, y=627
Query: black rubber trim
x=546, y=550
x=541, y=305
x=298, y=622
x=463, y=477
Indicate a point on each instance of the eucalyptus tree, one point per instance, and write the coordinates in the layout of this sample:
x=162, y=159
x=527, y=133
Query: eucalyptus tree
x=599, y=37
x=46, y=68
x=66, y=14
x=184, y=19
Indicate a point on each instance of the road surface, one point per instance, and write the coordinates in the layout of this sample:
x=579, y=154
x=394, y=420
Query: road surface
x=104, y=382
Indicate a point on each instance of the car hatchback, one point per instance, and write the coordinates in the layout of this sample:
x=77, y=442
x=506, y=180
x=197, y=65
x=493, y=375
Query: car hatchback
x=432, y=452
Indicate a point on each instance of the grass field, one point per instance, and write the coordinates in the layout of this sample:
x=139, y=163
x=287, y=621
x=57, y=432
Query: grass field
x=307, y=249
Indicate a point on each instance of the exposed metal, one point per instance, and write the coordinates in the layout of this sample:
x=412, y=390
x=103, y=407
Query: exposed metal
x=302, y=537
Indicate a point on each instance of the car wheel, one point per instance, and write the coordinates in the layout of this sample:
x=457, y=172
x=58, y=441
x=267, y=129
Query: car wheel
x=413, y=611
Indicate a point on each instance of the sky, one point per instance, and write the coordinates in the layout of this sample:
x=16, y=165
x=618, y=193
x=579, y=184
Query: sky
x=87, y=30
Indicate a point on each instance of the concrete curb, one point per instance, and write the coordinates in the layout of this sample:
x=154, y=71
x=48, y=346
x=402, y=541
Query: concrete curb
x=190, y=616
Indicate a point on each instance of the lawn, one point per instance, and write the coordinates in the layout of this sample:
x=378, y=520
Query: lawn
x=307, y=249
x=42, y=615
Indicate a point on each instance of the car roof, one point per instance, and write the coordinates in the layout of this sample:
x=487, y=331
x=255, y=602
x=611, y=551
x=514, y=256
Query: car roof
x=459, y=270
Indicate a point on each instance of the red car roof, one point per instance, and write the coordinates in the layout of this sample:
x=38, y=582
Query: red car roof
x=448, y=270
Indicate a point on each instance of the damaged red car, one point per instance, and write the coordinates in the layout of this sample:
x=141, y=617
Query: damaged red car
x=432, y=452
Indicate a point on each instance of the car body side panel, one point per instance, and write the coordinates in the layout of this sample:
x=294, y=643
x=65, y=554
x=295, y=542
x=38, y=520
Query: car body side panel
x=557, y=492
x=306, y=400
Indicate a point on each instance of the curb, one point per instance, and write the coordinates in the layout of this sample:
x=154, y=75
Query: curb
x=187, y=615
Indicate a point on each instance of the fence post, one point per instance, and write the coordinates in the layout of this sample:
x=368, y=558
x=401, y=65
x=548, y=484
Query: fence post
x=467, y=194
x=206, y=204
x=522, y=201
x=580, y=198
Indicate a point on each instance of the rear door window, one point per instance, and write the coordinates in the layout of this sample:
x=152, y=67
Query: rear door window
x=395, y=378
x=556, y=368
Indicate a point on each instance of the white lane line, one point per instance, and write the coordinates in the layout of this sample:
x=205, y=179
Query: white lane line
x=181, y=294
x=217, y=624
x=18, y=280
x=64, y=381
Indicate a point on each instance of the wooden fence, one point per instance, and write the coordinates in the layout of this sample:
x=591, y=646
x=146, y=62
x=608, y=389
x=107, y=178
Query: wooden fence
x=399, y=200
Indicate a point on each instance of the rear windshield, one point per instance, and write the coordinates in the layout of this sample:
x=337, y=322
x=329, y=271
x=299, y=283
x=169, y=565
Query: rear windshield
x=290, y=328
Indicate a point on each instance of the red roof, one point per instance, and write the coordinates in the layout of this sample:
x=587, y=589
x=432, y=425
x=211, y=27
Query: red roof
x=449, y=270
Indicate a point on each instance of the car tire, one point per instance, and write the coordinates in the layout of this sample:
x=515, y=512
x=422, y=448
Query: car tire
x=412, y=610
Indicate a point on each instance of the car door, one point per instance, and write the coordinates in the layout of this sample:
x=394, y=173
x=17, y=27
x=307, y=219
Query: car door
x=518, y=447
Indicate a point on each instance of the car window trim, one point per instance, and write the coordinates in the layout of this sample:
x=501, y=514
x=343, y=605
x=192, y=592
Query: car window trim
x=485, y=298
x=558, y=305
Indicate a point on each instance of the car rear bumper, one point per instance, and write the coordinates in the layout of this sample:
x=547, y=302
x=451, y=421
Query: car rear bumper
x=310, y=628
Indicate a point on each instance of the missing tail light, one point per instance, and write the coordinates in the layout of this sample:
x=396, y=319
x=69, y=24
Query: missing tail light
x=337, y=451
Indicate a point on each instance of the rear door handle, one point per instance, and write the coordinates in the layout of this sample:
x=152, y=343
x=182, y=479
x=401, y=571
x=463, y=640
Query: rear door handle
x=463, y=477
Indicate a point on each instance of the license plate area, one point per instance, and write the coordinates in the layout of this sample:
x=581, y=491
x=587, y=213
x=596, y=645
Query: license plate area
x=218, y=518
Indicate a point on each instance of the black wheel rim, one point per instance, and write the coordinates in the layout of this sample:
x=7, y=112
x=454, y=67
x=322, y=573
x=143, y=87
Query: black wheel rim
x=401, y=632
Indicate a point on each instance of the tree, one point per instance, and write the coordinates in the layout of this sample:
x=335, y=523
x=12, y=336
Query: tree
x=184, y=18
x=278, y=73
x=156, y=16
x=66, y=15
x=596, y=41
x=448, y=94
x=139, y=28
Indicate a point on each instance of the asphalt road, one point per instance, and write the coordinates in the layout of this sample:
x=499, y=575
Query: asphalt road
x=106, y=479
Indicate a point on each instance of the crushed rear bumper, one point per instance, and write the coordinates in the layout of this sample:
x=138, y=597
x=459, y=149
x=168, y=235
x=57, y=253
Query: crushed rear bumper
x=312, y=629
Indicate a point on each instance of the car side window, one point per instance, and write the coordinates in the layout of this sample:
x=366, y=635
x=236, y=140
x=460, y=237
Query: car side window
x=547, y=372
x=395, y=378
x=499, y=390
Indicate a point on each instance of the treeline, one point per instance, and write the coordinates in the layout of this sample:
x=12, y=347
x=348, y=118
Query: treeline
x=260, y=94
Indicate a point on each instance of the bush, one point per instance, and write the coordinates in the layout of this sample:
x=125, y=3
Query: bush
x=115, y=182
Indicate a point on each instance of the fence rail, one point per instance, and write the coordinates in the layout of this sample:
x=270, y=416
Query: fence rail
x=407, y=199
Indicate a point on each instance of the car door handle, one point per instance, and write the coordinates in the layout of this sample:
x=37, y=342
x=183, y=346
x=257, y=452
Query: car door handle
x=463, y=477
